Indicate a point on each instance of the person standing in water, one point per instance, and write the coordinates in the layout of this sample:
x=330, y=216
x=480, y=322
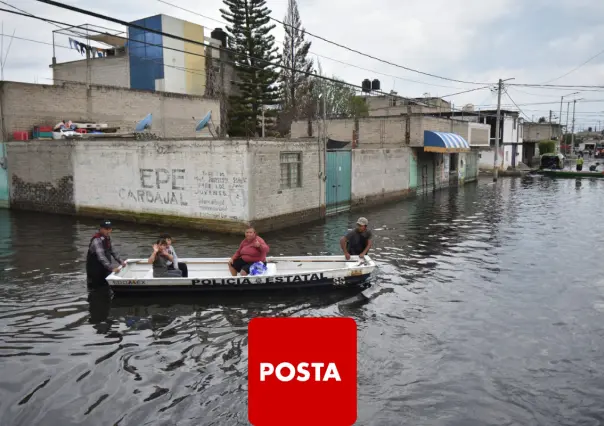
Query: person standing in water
x=98, y=259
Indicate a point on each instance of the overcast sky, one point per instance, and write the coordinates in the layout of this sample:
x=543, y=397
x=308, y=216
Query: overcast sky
x=534, y=41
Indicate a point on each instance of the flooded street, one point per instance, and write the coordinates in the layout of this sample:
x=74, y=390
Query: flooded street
x=487, y=309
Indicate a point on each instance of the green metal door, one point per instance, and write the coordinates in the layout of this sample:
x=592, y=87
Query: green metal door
x=412, y=171
x=338, y=183
x=4, y=197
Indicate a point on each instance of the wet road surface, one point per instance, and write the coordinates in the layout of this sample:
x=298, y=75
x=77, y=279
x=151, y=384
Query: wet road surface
x=487, y=309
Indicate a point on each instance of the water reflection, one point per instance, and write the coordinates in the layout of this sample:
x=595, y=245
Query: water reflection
x=486, y=309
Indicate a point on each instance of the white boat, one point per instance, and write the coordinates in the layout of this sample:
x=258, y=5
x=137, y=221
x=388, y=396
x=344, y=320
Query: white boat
x=212, y=274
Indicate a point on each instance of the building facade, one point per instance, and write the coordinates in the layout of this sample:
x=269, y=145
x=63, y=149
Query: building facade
x=144, y=60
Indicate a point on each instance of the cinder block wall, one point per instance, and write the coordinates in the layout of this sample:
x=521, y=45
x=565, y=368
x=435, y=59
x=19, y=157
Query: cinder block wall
x=273, y=206
x=111, y=71
x=380, y=175
x=26, y=105
x=219, y=185
x=41, y=177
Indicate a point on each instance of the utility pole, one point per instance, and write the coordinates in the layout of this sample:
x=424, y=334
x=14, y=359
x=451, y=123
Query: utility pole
x=572, y=136
x=567, y=109
x=550, y=125
x=497, y=126
x=324, y=119
x=562, y=134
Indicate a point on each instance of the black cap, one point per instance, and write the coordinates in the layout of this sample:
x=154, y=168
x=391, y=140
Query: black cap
x=106, y=224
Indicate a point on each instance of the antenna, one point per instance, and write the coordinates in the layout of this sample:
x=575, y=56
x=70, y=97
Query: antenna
x=2, y=57
x=144, y=124
x=203, y=122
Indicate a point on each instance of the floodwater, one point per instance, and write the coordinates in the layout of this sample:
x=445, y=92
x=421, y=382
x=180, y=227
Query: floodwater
x=487, y=309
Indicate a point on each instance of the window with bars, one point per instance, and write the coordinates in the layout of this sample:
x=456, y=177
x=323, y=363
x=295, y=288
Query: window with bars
x=291, y=170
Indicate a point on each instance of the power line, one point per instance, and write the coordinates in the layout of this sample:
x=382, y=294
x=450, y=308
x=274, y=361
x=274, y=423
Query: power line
x=118, y=21
x=522, y=112
x=576, y=68
x=555, y=86
x=24, y=11
x=379, y=59
x=127, y=24
x=192, y=70
x=192, y=41
x=182, y=51
x=314, y=53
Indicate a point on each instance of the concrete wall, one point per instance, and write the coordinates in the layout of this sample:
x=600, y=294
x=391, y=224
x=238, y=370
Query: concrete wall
x=41, y=177
x=111, y=71
x=512, y=130
x=537, y=132
x=379, y=175
x=272, y=206
x=26, y=105
x=394, y=106
x=174, y=76
x=383, y=132
x=207, y=184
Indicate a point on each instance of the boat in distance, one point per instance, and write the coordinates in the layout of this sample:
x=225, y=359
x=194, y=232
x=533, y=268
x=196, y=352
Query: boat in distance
x=282, y=273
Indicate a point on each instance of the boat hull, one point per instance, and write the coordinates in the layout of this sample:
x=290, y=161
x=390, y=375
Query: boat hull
x=331, y=273
x=213, y=286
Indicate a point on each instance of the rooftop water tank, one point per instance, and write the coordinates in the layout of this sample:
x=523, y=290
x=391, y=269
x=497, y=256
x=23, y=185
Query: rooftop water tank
x=218, y=34
x=366, y=85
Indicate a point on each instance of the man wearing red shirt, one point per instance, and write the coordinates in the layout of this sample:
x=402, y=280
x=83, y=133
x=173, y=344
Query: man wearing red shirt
x=251, y=250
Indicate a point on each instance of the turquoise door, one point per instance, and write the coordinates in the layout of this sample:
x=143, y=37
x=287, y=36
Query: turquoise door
x=338, y=183
x=4, y=200
x=412, y=171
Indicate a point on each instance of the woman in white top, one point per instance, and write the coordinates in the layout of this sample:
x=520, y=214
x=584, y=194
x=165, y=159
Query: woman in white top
x=175, y=264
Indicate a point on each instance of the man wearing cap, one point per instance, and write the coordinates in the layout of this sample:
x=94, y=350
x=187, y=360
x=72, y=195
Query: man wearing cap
x=357, y=241
x=100, y=252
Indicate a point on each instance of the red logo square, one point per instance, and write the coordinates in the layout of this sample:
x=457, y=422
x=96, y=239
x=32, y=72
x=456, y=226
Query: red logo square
x=286, y=356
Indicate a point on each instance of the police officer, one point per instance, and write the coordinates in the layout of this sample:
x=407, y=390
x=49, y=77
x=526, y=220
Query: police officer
x=100, y=252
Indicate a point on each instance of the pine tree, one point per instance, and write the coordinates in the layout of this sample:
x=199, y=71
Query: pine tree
x=253, y=50
x=295, y=86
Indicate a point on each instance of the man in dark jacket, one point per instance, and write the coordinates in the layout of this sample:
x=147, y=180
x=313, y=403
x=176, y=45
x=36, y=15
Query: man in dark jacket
x=100, y=252
x=357, y=241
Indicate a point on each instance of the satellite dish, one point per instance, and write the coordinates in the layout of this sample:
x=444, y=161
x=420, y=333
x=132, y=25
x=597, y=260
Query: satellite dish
x=144, y=124
x=203, y=122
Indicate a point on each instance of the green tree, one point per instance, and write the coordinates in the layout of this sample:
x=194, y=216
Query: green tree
x=341, y=100
x=542, y=120
x=296, y=86
x=254, y=55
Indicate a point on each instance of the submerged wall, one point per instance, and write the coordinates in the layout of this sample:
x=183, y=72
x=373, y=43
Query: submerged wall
x=218, y=185
x=208, y=184
x=380, y=175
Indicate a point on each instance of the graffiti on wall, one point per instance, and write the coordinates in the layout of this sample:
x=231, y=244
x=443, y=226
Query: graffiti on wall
x=206, y=193
x=158, y=186
x=218, y=191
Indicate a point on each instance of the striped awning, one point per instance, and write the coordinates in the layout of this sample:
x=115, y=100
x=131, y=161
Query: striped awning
x=444, y=142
